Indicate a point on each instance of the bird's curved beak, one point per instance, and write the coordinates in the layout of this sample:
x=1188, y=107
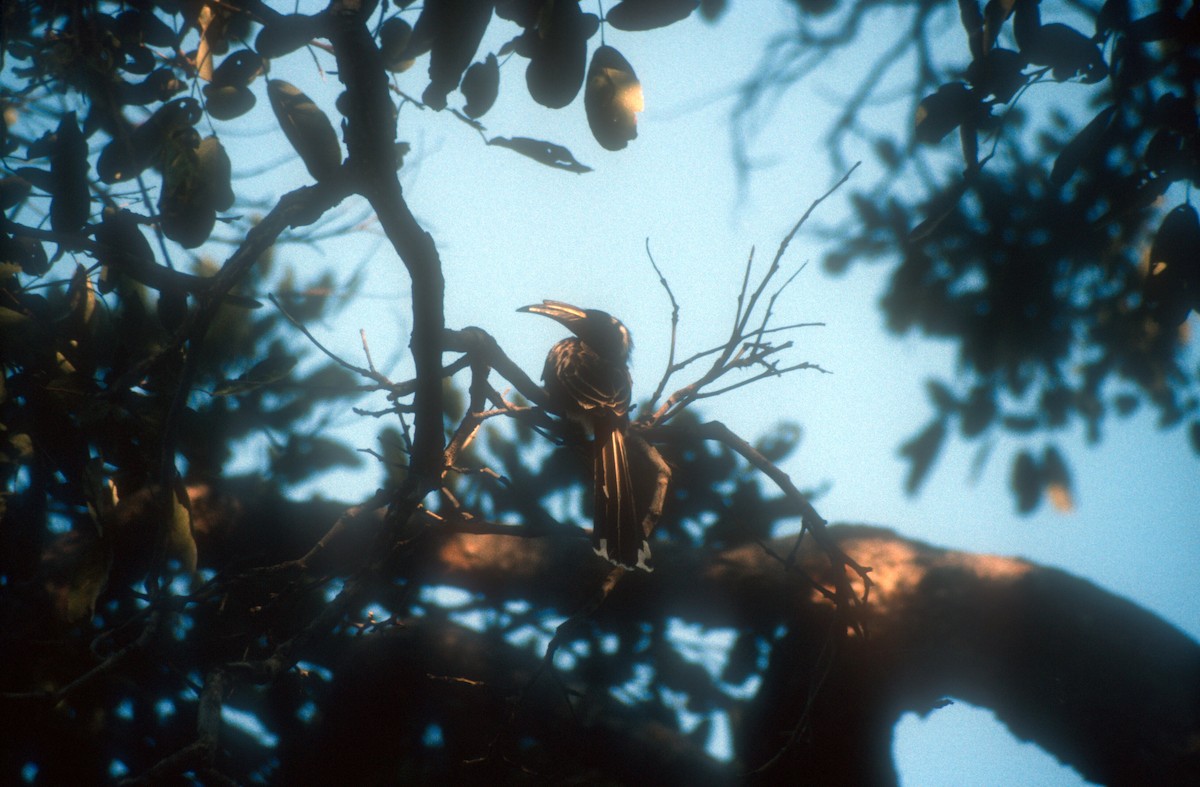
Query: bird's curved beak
x=564, y=313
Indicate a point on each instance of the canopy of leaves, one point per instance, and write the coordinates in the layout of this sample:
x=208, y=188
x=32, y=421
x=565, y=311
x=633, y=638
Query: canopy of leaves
x=1034, y=214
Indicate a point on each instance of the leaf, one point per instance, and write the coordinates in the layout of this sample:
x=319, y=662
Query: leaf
x=171, y=308
x=1113, y=15
x=239, y=69
x=185, y=209
x=215, y=171
x=1026, y=482
x=1177, y=241
x=22, y=446
x=480, y=86
x=711, y=10
x=226, y=102
x=71, y=201
x=558, y=54
x=780, y=442
x=548, y=153
x=455, y=28
x=121, y=246
x=100, y=493
x=1126, y=404
x=147, y=27
x=1057, y=480
x=920, y=451
x=971, y=17
x=39, y=179
x=649, y=14
x=394, y=38
x=1172, y=284
x=307, y=128
x=943, y=111
x=1085, y=147
x=612, y=99
x=1021, y=424
x=271, y=370
x=942, y=397
x=13, y=191
x=305, y=455
x=74, y=570
x=1167, y=153
x=160, y=85
x=10, y=318
x=287, y=33
x=998, y=74
x=978, y=412
x=181, y=540
x=26, y=252
x=127, y=156
x=743, y=659
x=1067, y=52
x=81, y=297
x=1156, y=26
x=1027, y=25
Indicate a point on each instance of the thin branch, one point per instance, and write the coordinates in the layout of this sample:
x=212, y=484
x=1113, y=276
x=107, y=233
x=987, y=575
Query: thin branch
x=812, y=521
x=670, y=369
x=370, y=373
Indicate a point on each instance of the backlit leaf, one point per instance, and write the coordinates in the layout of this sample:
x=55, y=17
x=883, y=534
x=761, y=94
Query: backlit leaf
x=394, y=38
x=1057, y=480
x=612, y=99
x=307, y=128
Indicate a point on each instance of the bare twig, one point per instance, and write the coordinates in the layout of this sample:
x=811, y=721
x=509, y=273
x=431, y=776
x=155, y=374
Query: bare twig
x=745, y=346
x=370, y=373
x=671, y=368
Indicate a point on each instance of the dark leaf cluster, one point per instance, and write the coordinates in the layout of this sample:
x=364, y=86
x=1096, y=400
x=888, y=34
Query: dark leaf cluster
x=1054, y=253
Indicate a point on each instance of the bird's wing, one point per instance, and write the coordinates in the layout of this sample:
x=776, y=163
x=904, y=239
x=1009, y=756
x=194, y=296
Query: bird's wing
x=594, y=384
x=604, y=387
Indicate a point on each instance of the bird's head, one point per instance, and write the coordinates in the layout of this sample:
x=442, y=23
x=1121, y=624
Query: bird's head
x=599, y=330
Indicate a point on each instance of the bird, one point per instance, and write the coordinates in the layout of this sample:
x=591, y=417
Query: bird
x=587, y=380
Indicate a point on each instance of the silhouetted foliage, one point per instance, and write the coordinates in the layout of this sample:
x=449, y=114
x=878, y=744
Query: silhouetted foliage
x=170, y=614
x=1051, y=249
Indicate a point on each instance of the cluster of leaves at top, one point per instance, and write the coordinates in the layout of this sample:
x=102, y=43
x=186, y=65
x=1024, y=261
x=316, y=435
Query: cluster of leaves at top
x=1036, y=264
x=554, y=40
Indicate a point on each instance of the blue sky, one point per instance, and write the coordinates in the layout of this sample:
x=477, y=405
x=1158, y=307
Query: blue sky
x=511, y=232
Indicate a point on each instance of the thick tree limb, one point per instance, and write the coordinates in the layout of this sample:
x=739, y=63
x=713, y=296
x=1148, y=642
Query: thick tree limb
x=370, y=139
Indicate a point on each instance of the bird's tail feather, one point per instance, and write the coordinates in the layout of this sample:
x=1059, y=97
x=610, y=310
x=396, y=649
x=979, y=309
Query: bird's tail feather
x=617, y=533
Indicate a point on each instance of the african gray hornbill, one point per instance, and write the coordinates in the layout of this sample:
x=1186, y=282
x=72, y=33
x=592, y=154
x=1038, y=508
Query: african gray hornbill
x=587, y=380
